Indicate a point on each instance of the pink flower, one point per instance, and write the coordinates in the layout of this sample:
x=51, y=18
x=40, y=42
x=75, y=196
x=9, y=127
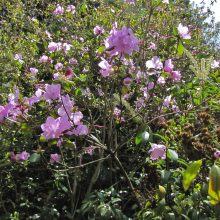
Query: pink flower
x=33, y=71
x=127, y=81
x=23, y=156
x=175, y=76
x=121, y=42
x=71, y=8
x=69, y=73
x=67, y=106
x=215, y=64
x=183, y=32
x=53, y=47
x=98, y=30
x=157, y=151
x=165, y=1
x=217, y=154
x=43, y=59
x=150, y=86
x=52, y=92
x=13, y=156
x=152, y=46
x=161, y=80
x=106, y=68
x=167, y=101
x=59, y=10
x=58, y=66
x=18, y=56
x=130, y=1
x=3, y=113
x=154, y=63
x=66, y=47
x=90, y=150
x=53, y=128
x=81, y=130
x=168, y=66
x=73, y=61
x=55, y=158
x=77, y=116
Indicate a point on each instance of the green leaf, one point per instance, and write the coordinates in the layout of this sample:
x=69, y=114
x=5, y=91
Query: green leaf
x=190, y=173
x=172, y=154
x=35, y=157
x=180, y=49
x=214, y=185
x=165, y=175
x=138, y=138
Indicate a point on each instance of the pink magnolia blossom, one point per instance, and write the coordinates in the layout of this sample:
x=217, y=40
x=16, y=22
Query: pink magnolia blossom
x=55, y=158
x=121, y=42
x=59, y=10
x=53, y=128
x=168, y=67
x=106, y=68
x=52, y=92
x=71, y=8
x=157, y=151
x=184, y=32
x=24, y=155
x=98, y=30
x=154, y=63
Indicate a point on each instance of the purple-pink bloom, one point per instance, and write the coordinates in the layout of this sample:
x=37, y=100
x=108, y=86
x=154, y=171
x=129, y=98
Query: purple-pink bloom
x=53, y=128
x=3, y=113
x=152, y=46
x=81, y=130
x=168, y=67
x=71, y=8
x=77, y=116
x=215, y=64
x=98, y=30
x=33, y=71
x=73, y=61
x=167, y=101
x=55, y=158
x=161, y=80
x=121, y=42
x=13, y=156
x=53, y=47
x=130, y=1
x=154, y=63
x=58, y=66
x=157, y=151
x=183, y=32
x=106, y=68
x=66, y=47
x=127, y=81
x=175, y=76
x=69, y=73
x=217, y=154
x=59, y=10
x=18, y=56
x=43, y=59
x=24, y=155
x=52, y=91
x=66, y=107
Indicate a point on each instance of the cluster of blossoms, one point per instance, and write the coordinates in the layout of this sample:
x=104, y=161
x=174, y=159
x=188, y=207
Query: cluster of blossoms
x=53, y=47
x=59, y=10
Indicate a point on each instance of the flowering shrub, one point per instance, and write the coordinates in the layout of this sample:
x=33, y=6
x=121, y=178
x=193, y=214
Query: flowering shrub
x=108, y=110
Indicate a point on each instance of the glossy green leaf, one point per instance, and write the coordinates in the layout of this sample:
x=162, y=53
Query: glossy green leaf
x=172, y=154
x=190, y=173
